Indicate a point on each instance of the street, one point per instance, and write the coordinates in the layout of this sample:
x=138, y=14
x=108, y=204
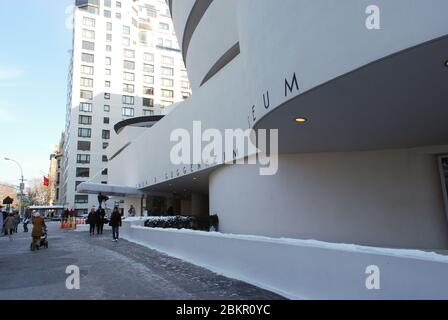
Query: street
x=108, y=270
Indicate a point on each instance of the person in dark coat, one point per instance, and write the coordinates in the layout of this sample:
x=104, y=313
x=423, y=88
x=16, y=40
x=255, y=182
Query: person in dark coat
x=92, y=220
x=101, y=213
x=115, y=223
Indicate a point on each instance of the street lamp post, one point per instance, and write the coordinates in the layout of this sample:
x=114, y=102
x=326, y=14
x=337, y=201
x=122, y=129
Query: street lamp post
x=22, y=185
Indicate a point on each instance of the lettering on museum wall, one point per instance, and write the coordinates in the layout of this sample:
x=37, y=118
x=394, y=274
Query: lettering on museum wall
x=289, y=87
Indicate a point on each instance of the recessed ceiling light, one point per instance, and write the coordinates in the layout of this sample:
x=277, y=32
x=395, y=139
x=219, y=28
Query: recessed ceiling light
x=300, y=120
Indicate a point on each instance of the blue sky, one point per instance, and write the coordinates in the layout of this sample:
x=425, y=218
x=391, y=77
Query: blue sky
x=34, y=59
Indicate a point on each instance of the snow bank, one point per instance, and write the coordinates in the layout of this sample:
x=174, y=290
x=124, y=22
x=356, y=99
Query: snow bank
x=405, y=253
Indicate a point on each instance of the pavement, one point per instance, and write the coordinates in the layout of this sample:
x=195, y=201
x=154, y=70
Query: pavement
x=108, y=270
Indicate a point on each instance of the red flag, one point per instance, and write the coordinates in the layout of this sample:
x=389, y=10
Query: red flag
x=46, y=181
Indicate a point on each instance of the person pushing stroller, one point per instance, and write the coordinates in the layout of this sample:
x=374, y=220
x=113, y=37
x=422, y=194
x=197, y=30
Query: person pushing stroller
x=39, y=227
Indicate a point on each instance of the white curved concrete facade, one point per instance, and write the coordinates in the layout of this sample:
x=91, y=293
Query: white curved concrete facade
x=363, y=170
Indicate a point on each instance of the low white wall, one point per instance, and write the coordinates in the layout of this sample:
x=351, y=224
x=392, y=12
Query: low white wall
x=387, y=198
x=301, y=269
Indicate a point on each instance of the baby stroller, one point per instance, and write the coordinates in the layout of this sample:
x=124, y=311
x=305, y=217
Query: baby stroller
x=43, y=239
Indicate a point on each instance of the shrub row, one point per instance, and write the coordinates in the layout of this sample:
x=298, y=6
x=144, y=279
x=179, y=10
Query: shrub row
x=207, y=223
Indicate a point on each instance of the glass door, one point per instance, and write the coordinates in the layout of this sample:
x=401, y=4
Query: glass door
x=443, y=167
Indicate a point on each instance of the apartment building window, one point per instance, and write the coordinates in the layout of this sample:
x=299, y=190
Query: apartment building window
x=108, y=61
x=126, y=41
x=108, y=72
x=167, y=93
x=107, y=13
x=148, y=79
x=168, y=60
x=83, y=158
x=166, y=43
x=88, y=70
x=105, y=158
x=128, y=112
x=129, y=65
x=81, y=199
x=88, y=45
x=109, y=26
x=105, y=145
x=85, y=107
x=148, y=91
x=128, y=100
x=148, y=57
x=107, y=3
x=82, y=172
x=107, y=96
x=108, y=37
x=106, y=134
x=106, y=108
x=185, y=95
x=147, y=113
x=184, y=74
x=118, y=4
x=118, y=15
x=167, y=82
x=88, y=22
x=165, y=103
x=185, y=85
x=87, y=120
x=126, y=30
x=87, y=82
x=148, y=102
x=149, y=68
x=106, y=120
x=83, y=145
x=164, y=26
x=105, y=172
x=84, y=133
x=85, y=94
x=127, y=53
x=129, y=88
x=167, y=71
x=108, y=48
x=87, y=57
x=107, y=84
x=128, y=76
x=88, y=34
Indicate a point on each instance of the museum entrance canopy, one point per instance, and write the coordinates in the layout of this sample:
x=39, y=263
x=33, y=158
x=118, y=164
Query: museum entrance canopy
x=111, y=190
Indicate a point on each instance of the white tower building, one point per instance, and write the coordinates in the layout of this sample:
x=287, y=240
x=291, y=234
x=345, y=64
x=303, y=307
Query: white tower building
x=126, y=63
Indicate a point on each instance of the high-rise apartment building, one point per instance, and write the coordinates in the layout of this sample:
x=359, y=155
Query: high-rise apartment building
x=125, y=63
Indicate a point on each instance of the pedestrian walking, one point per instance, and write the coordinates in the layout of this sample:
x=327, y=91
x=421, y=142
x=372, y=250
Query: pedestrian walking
x=101, y=213
x=9, y=225
x=16, y=222
x=5, y=215
x=38, y=228
x=1, y=222
x=115, y=223
x=132, y=211
x=25, y=224
x=92, y=220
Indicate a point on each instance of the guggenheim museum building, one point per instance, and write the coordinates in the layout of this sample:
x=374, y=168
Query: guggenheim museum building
x=355, y=96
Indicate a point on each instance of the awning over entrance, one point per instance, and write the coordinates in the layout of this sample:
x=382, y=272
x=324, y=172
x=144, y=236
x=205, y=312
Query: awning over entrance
x=107, y=189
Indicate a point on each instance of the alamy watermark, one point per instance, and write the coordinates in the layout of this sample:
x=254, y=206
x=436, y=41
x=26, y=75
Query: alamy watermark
x=373, y=278
x=73, y=281
x=229, y=146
